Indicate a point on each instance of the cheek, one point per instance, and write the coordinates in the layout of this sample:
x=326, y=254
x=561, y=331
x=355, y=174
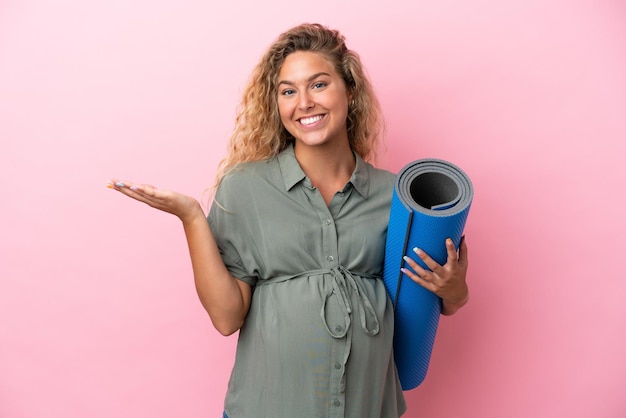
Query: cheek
x=339, y=102
x=342, y=111
x=284, y=110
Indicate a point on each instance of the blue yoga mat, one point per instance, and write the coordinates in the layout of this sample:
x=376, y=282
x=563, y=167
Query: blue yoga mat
x=430, y=203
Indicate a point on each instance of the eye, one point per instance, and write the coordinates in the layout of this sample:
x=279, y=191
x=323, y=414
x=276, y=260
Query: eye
x=319, y=85
x=288, y=92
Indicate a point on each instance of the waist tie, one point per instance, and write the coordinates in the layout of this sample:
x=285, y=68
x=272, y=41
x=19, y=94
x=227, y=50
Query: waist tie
x=342, y=280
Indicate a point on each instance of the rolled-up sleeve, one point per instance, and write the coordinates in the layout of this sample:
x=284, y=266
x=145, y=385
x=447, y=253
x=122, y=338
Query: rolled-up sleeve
x=226, y=228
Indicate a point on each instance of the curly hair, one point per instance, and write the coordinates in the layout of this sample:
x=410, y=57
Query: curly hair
x=259, y=133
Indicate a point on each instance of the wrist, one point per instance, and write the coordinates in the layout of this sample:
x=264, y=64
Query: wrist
x=449, y=307
x=192, y=214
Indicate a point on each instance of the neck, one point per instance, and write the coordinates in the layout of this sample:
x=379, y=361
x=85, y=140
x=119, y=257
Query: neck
x=326, y=165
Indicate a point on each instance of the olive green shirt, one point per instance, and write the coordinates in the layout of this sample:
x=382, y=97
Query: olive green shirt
x=318, y=338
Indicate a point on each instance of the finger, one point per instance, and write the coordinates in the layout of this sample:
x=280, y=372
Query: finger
x=451, y=249
x=115, y=184
x=147, y=189
x=419, y=280
x=120, y=184
x=124, y=185
x=135, y=191
x=419, y=270
x=430, y=263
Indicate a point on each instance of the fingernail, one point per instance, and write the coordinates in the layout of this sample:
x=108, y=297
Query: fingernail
x=119, y=184
x=133, y=188
x=403, y=270
x=417, y=251
x=406, y=258
x=109, y=184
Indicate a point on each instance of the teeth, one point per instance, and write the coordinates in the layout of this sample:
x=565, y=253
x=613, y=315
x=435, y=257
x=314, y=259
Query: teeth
x=313, y=119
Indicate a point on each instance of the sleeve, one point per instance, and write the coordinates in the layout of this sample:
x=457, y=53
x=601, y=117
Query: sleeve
x=227, y=226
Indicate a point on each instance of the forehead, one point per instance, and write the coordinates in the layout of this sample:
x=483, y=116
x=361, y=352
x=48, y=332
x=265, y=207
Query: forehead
x=302, y=64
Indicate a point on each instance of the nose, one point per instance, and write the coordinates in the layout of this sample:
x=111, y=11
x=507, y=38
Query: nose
x=305, y=102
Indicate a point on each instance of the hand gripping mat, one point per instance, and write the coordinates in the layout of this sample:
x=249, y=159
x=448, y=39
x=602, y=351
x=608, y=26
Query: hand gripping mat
x=430, y=203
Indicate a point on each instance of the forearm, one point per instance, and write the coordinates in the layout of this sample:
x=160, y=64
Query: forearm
x=225, y=298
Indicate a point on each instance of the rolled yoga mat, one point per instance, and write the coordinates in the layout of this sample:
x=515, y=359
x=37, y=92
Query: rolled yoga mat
x=430, y=203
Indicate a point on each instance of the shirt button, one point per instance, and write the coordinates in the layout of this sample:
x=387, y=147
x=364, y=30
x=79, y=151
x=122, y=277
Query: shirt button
x=330, y=258
x=338, y=328
x=328, y=221
x=341, y=194
x=338, y=366
x=337, y=402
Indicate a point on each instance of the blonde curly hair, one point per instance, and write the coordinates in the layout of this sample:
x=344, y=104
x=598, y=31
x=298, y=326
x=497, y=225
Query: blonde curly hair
x=259, y=134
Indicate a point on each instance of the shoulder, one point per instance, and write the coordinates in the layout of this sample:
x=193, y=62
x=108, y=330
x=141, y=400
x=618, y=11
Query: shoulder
x=379, y=178
x=248, y=175
x=247, y=182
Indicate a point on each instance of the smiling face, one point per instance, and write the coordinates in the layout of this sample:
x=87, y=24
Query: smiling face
x=312, y=100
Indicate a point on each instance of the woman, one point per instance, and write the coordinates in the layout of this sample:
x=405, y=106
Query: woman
x=292, y=253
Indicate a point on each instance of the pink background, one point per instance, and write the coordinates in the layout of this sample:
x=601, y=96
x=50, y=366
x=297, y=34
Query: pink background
x=98, y=313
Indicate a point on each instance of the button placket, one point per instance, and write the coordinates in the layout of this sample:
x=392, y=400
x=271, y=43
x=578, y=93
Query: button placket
x=339, y=328
x=329, y=233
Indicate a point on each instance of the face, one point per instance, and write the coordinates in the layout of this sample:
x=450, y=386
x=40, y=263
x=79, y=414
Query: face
x=312, y=100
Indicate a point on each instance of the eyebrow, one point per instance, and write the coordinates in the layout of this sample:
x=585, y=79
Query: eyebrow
x=313, y=77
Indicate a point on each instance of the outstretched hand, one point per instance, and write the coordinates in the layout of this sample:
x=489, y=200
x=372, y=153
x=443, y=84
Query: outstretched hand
x=447, y=281
x=180, y=205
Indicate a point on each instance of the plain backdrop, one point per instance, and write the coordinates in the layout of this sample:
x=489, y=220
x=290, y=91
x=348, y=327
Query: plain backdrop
x=98, y=312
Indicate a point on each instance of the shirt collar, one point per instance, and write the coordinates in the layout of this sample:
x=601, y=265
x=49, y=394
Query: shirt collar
x=292, y=172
